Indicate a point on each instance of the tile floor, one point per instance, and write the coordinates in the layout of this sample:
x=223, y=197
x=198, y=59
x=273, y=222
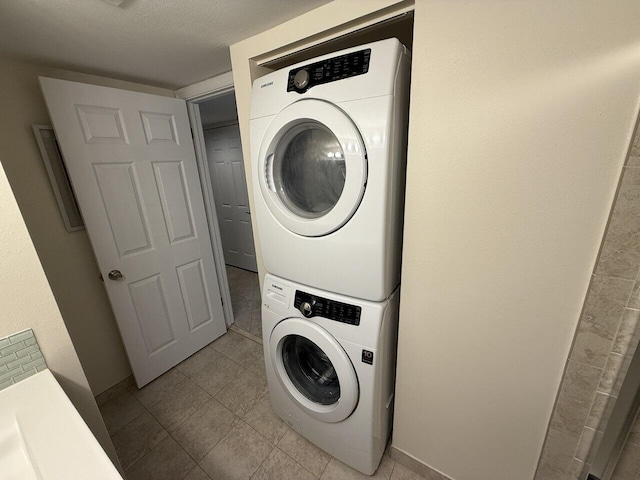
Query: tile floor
x=210, y=418
x=245, y=300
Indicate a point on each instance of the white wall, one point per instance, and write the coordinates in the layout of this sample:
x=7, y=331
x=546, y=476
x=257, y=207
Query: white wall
x=521, y=116
x=67, y=258
x=26, y=301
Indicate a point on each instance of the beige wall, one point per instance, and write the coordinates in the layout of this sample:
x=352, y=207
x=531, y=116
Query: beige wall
x=521, y=116
x=67, y=258
x=520, y=124
x=26, y=301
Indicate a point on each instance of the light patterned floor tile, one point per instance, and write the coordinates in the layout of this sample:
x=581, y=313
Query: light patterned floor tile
x=242, y=393
x=218, y=375
x=120, y=410
x=279, y=466
x=154, y=391
x=226, y=341
x=198, y=361
x=166, y=461
x=205, y=428
x=258, y=368
x=138, y=437
x=304, y=452
x=238, y=455
x=197, y=474
x=179, y=405
x=262, y=418
x=245, y=353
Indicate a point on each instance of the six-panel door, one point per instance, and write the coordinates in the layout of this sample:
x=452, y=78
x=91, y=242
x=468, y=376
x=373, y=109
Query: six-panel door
x=132, y=164
x=224, y=155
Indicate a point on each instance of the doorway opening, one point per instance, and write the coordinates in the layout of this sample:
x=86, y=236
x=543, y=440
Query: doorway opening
x=225, y=166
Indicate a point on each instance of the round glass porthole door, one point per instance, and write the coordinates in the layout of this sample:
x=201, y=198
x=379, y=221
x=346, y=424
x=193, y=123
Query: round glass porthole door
x=309, y=170
x=312, y=168
x=314, y=370
x=310, y=370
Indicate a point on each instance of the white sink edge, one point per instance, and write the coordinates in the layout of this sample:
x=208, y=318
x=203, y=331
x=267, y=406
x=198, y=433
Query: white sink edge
x=56, y=441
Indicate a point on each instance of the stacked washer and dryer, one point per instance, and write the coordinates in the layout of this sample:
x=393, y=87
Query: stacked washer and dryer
x=328, y=154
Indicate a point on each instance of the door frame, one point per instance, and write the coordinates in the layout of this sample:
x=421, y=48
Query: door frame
x=194, y=94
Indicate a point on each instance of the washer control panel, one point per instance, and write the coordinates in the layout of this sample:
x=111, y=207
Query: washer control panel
x=337, y=68
x=314, y=306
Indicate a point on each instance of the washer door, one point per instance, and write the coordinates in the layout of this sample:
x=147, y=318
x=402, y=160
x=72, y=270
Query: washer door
x=312, y=168
x=314, y=369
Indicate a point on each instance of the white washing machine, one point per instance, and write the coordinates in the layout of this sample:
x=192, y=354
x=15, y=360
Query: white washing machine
x=330, y=364
x=328, y=151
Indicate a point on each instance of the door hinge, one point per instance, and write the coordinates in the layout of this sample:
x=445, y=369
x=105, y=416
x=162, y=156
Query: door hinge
x=192, y=135
x=222, y=300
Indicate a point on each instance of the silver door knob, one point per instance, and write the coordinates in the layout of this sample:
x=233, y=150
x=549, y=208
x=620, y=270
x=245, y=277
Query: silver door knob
x=115, y=275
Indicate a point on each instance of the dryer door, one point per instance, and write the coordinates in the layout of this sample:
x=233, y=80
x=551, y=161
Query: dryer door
x=312, y=168
x=314, y=369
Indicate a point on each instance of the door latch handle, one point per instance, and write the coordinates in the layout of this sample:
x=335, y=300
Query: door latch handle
x=268, y=173
x=115, y=275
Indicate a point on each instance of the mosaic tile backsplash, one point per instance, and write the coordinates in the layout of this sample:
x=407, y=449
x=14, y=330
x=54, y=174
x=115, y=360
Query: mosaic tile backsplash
x=20, y=357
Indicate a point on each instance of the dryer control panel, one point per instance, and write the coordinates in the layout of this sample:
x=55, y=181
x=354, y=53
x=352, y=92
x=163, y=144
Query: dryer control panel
x=345, y=66
x=314, y=306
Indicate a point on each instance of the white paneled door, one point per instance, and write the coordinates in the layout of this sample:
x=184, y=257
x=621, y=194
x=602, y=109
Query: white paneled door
x=224, y=155
x=131, y=160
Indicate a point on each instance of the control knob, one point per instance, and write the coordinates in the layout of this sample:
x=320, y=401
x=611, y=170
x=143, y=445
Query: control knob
x=301, y=79
x=307, y=309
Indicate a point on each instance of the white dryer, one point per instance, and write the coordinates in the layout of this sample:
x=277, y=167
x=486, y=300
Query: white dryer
x=328, y=151
x=330, y=364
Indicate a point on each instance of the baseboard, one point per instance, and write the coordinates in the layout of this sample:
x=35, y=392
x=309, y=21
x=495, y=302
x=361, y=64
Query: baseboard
x=115, y=390
x=416, y=465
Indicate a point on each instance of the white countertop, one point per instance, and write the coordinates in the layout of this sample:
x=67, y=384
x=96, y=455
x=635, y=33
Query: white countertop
x=42, y=436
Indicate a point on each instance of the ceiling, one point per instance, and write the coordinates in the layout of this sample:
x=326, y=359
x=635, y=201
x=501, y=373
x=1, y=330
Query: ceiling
x=169, y=43
x=220, y=109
